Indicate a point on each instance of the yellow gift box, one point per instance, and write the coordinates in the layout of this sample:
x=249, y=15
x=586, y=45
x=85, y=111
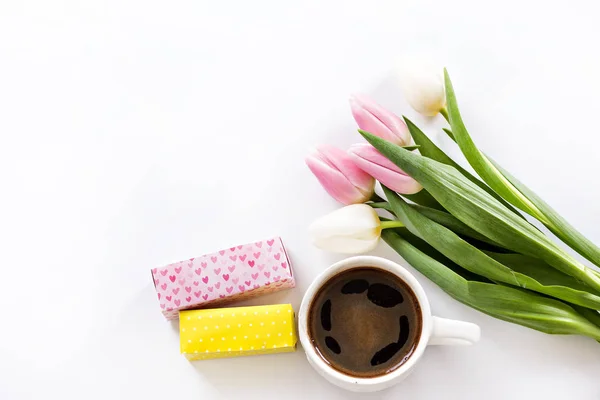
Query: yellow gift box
x=240, y=331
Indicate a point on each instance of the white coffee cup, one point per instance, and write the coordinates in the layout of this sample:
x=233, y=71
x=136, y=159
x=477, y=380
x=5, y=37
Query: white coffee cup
x=435, y=330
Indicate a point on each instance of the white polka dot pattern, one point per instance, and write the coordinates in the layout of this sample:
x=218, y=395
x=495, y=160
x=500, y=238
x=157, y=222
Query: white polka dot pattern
x=241, y=331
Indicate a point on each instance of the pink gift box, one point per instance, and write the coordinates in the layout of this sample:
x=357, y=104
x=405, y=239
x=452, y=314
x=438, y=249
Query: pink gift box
x=236, y=273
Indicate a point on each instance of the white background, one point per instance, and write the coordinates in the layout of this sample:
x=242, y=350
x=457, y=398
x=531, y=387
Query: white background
x=137, y=133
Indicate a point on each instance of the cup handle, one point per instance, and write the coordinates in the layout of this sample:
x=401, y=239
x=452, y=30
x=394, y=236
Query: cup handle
x=451, y=332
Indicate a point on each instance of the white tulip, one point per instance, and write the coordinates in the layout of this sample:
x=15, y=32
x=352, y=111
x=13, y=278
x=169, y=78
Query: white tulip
x=352, y=229
x=423, y=86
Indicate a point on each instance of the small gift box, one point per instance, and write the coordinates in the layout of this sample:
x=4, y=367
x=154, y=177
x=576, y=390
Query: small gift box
x=236, y=273
x=240, y=331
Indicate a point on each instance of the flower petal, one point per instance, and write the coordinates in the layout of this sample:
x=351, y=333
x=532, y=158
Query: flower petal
x=340, y=160
x=358, y=221
x=382, y=169
x=334, y=182
x=347, y=245
x=373, y=118
x=423, y=86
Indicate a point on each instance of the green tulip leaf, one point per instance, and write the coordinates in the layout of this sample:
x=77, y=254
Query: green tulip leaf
x=482, y=212
x=484, y=168
x=556, y=224
x=429, y=149
x=591, y=315
x=411, y=147
x=472, y=259
x=509, y=187
x=452, y=223
x=384, y=205
x=538, y=270
x=503, y=302
x=425, y=199
x=449, y=133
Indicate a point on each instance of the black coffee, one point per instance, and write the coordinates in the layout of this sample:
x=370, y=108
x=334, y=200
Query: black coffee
x=365, y=322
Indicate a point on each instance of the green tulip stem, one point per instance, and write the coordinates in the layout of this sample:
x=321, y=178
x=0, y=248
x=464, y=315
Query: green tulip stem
x=376, y=198
x=381, y=204
x=444, y=113
x=391, y=224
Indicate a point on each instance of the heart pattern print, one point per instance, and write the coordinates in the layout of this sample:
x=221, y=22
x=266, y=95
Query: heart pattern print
x=236, y=273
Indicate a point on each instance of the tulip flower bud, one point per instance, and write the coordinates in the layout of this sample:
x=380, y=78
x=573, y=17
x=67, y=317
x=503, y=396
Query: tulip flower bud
x=423, y=87
x=352, y=229
x=375, y=119
x=375, y=164
x=339, y=176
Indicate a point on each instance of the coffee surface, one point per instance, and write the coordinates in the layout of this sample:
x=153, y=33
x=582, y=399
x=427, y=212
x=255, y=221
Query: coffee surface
x=365, y=322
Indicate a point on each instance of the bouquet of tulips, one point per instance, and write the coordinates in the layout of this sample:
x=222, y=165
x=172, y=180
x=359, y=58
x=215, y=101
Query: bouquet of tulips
x=470, y=235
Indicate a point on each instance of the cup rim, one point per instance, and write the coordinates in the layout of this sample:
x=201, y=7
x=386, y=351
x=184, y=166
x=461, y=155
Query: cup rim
x=354, y=262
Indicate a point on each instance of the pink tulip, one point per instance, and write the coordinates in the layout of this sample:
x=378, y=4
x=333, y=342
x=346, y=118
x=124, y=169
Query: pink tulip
x=375, y=119
x=375, y=164
x=340, y=177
